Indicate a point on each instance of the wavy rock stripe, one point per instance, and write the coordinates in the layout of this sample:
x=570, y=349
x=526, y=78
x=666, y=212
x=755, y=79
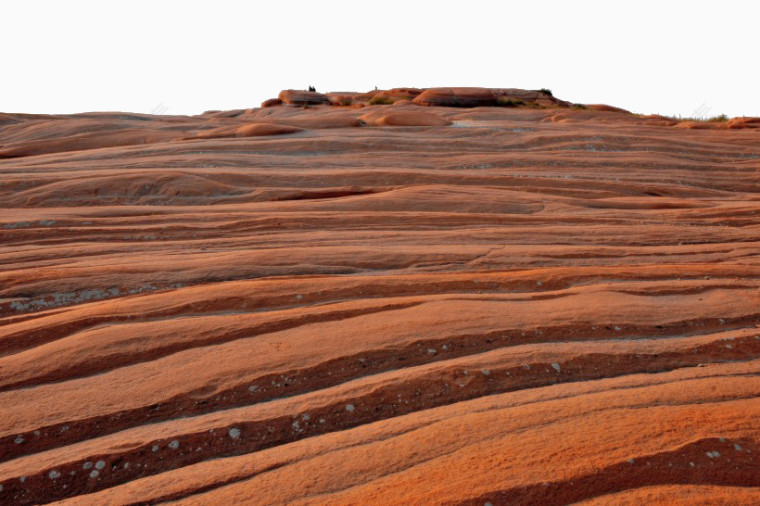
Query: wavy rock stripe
x=314, y=302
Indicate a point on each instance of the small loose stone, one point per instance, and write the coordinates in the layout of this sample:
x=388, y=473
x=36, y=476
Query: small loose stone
x=556, y=366
x=155, y=448
x=87, y=465
x=100, y=464
x=54, y=474
x=234, y=433
x=19, y=440
x=94, y=474
x=737, y=448
x=174, y=445
x=350, y=408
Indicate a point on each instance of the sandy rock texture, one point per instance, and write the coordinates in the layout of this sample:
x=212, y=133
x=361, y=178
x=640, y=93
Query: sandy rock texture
x=328, y=301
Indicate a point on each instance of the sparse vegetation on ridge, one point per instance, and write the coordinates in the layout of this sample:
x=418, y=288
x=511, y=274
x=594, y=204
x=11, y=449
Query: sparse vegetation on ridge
x=508, y=102
x=380, y=100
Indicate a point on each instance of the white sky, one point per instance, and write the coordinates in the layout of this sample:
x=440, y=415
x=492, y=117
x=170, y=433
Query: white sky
x=184, y=57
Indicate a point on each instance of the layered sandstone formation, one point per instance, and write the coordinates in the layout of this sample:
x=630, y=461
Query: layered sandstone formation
x=449, y=296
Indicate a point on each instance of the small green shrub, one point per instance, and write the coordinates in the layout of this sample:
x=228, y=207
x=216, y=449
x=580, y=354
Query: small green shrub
x=508, y=102
x=718, y=119
x=579, y=106
x=547, y=91
x=380, y=100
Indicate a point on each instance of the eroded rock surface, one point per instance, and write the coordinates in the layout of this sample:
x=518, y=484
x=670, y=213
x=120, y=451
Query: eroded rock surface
x=384, y=304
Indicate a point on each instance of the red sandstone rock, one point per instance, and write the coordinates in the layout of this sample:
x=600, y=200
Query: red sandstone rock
x=384, y=118
x=257, y=129
x=247, y=130
x=272, y=102
x=456, y=97
x=530, y=306
x=299, y=97
x=738, y=123
x=605, y=108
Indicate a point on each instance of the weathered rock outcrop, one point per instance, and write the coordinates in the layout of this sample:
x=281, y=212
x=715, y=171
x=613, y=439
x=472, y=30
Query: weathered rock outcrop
x=299, y=97
x=506, y=305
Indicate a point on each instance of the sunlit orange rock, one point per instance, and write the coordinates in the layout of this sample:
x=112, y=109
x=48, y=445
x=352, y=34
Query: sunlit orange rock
x=523, y=304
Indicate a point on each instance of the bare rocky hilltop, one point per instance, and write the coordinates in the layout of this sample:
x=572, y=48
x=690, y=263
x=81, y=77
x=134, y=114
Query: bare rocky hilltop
x=439, y=296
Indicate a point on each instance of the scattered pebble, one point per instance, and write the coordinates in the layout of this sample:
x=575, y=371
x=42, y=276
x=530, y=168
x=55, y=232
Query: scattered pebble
x=234, y=433
x=54, y=474
x=252, y=388
x=722, y=439
x=155, y=448
x=100, y=464
x=556, y=366
x=94, y=474
x=631, y=461
x=322, y=420
x=691, y=464
x=19, y=440
x=617, y=328
x=486, y=372
x=737, y=448
x=350, y=408
x=174, y=445
x=87, y=465
x=305, y=417
x=431, y=351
